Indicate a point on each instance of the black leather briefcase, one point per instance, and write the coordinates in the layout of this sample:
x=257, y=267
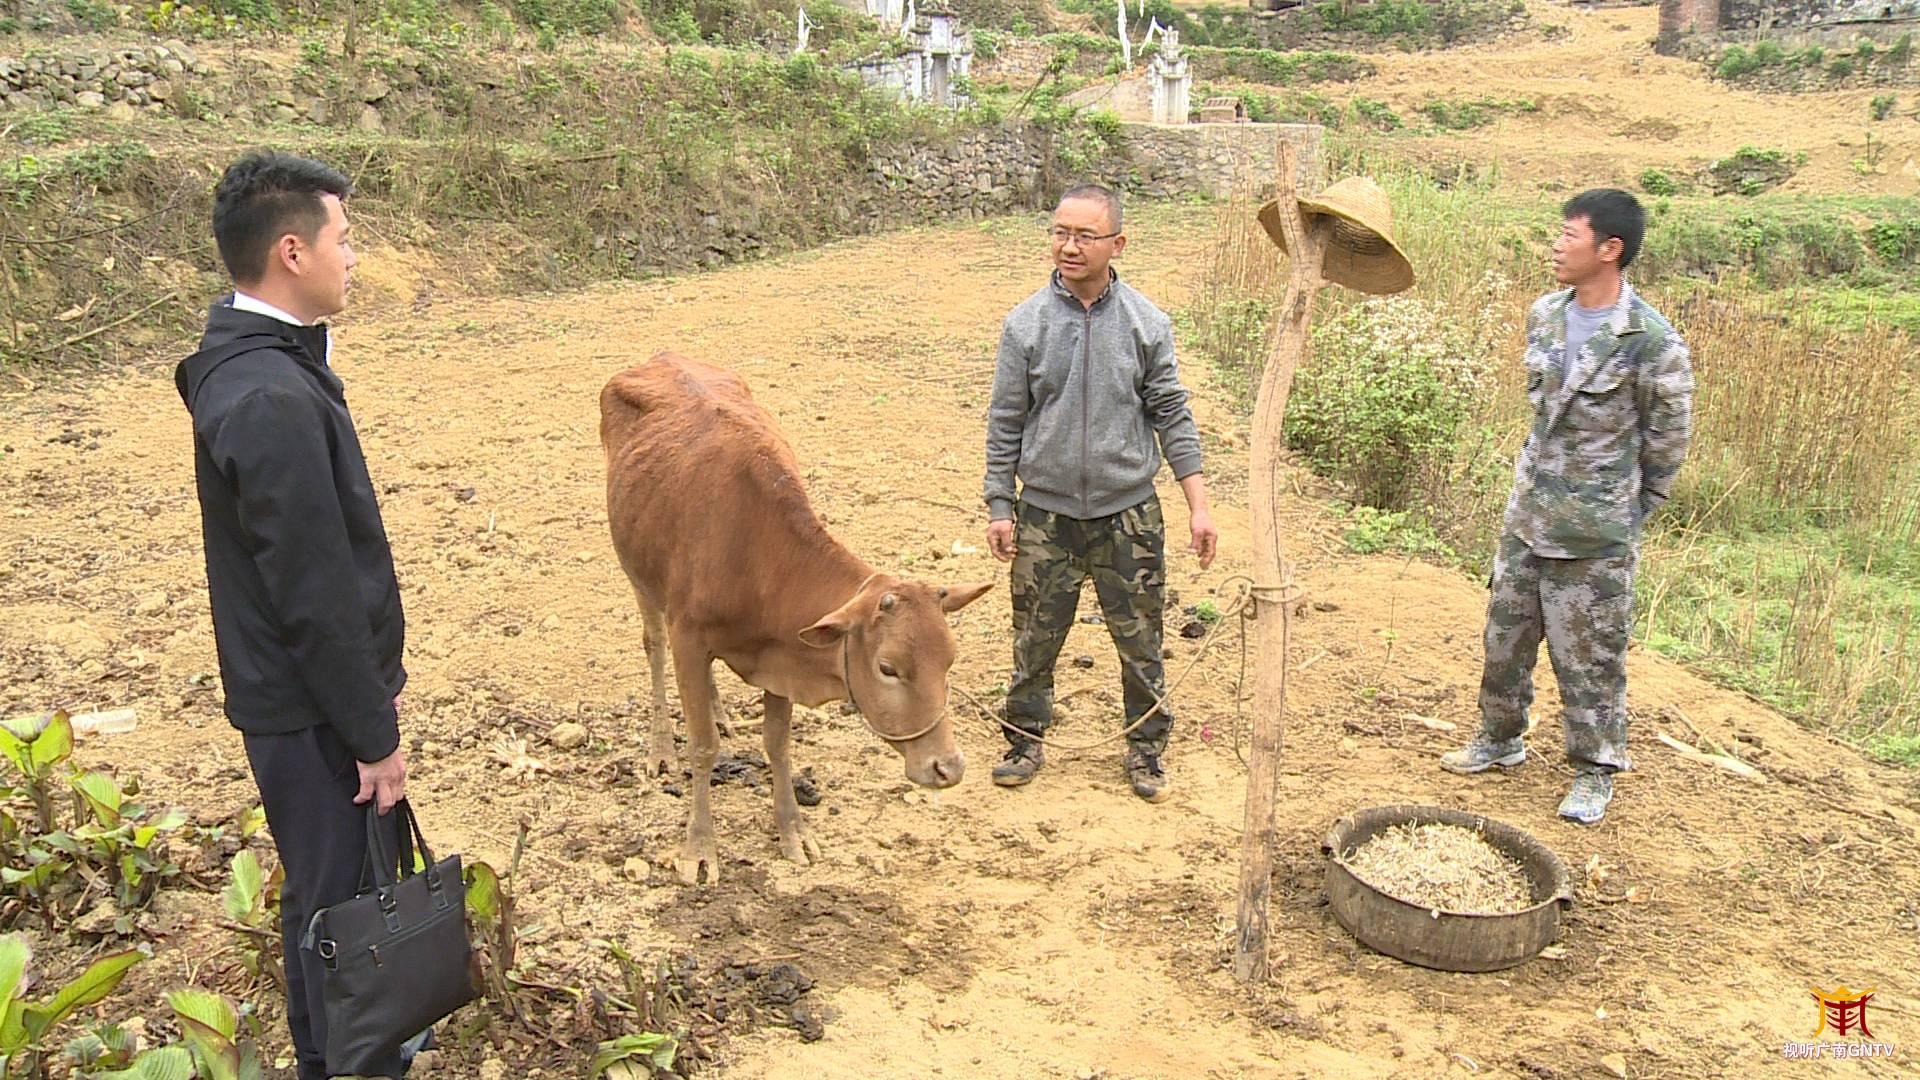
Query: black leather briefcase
x=396, y=955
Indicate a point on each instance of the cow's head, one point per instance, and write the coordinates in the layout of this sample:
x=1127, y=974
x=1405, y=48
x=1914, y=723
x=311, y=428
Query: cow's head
x=895, y=649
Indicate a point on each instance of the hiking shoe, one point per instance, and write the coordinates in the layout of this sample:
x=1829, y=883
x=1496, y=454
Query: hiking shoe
x=1587, y=802
x=1144, y=772
x=1483, y=753
x=1021, y=762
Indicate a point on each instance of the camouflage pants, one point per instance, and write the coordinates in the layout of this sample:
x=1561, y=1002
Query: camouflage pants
x=1126, y=556
x=1584, y=610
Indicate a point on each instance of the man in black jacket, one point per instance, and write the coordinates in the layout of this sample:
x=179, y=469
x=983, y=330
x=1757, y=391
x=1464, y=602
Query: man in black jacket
x=306, y=607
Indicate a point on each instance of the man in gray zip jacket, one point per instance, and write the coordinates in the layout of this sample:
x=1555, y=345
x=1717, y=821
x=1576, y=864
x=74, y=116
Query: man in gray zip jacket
x=1086, y=380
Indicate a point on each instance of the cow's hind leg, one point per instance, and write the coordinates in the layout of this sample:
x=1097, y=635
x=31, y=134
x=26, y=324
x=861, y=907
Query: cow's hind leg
x=795, y=844
x=654, y=637
x=693, y=670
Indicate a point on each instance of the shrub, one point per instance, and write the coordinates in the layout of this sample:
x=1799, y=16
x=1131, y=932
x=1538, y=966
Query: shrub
x=1882, y=106
x=1277, y=68
x=1377, y=406
x=93, y=14
x=1385, y=18
x=1371, y=531
x=1735, y=62
x=1377, y=113
x=1658, y=182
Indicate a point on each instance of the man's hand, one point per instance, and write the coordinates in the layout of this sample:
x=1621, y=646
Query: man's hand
x=384, y=781
x=1000, y=540
x=1206, y=538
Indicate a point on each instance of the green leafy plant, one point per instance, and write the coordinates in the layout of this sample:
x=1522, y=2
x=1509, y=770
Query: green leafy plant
x=1371, y=531
x=1735, y=62
x=1390, y=383
x=1659, y=182
x=1207, y=612
x=44, y=128
x=122, y=842
x=1882, y=106
x=26, y=1025
x=251, y=901
x=1377, y=114
x=1901, y=51
x=618, y=1058
x=108, y=1051
x=211, y=1030
x=1752, y=170
x=94, y=14
x=37, y=748
x=493, y=928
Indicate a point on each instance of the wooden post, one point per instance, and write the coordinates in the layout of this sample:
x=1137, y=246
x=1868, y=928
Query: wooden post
x=1273, y=574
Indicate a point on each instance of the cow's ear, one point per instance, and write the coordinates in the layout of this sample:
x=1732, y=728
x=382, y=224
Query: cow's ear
x=955, y=597
x=830, y=629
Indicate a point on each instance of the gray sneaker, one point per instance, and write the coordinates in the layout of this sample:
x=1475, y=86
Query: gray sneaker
x=1587, y=802
x=1020, y=763
x=1483, y=753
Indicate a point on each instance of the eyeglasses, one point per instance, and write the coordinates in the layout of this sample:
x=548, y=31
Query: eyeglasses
x=1061, y=236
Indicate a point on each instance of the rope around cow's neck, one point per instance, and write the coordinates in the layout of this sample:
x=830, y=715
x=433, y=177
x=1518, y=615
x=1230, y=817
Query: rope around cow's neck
x=846, y=676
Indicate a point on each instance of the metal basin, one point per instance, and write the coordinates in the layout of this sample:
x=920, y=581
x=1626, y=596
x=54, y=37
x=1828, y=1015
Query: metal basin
x=1448, y=940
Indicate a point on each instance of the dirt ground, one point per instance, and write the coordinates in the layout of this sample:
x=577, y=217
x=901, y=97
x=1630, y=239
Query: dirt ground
x=1062, y=930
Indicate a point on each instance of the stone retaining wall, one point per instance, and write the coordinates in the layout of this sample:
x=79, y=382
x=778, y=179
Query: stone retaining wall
x=1172, y=161
x=1682, y=17
x=142, y=77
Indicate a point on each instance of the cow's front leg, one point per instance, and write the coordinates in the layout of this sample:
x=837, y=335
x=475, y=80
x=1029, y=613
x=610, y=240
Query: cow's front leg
x=694, y=672
x=795, y=844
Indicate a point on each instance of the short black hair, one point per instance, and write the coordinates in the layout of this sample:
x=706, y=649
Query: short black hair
x=264, y=196
x=1611, y=213
x=1097, y=193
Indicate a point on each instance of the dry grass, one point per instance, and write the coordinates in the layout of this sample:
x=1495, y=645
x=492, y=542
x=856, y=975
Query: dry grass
x=1444, y=867
x=1795, y=417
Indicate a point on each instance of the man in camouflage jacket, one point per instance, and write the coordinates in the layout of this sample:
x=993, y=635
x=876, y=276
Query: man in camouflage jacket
x=1611, y=386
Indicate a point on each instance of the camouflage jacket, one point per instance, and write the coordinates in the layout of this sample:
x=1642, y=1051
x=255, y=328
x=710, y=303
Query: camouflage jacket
x=1609, y=431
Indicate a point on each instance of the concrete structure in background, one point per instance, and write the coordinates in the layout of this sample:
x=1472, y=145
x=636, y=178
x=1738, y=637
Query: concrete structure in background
x=938, y=54
x=891, y=14
x=1171, y=79
x=1224, y=110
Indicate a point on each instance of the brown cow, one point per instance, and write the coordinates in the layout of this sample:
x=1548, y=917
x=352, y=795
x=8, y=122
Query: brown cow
x=729, y=562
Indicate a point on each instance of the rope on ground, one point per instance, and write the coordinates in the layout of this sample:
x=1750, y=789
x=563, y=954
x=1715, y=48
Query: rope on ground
x=1242, y=606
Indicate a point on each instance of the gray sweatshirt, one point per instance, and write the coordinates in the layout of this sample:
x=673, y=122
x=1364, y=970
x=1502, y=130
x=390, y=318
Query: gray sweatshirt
x=1077, y=399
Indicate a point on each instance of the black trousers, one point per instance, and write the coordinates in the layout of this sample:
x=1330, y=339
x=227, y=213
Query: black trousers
x=307, y=782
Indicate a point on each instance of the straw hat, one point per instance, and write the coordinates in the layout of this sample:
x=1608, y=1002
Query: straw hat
x=1361, y=252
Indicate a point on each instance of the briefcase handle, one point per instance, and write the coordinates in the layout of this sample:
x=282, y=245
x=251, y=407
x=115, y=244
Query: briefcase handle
x=384, y=862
